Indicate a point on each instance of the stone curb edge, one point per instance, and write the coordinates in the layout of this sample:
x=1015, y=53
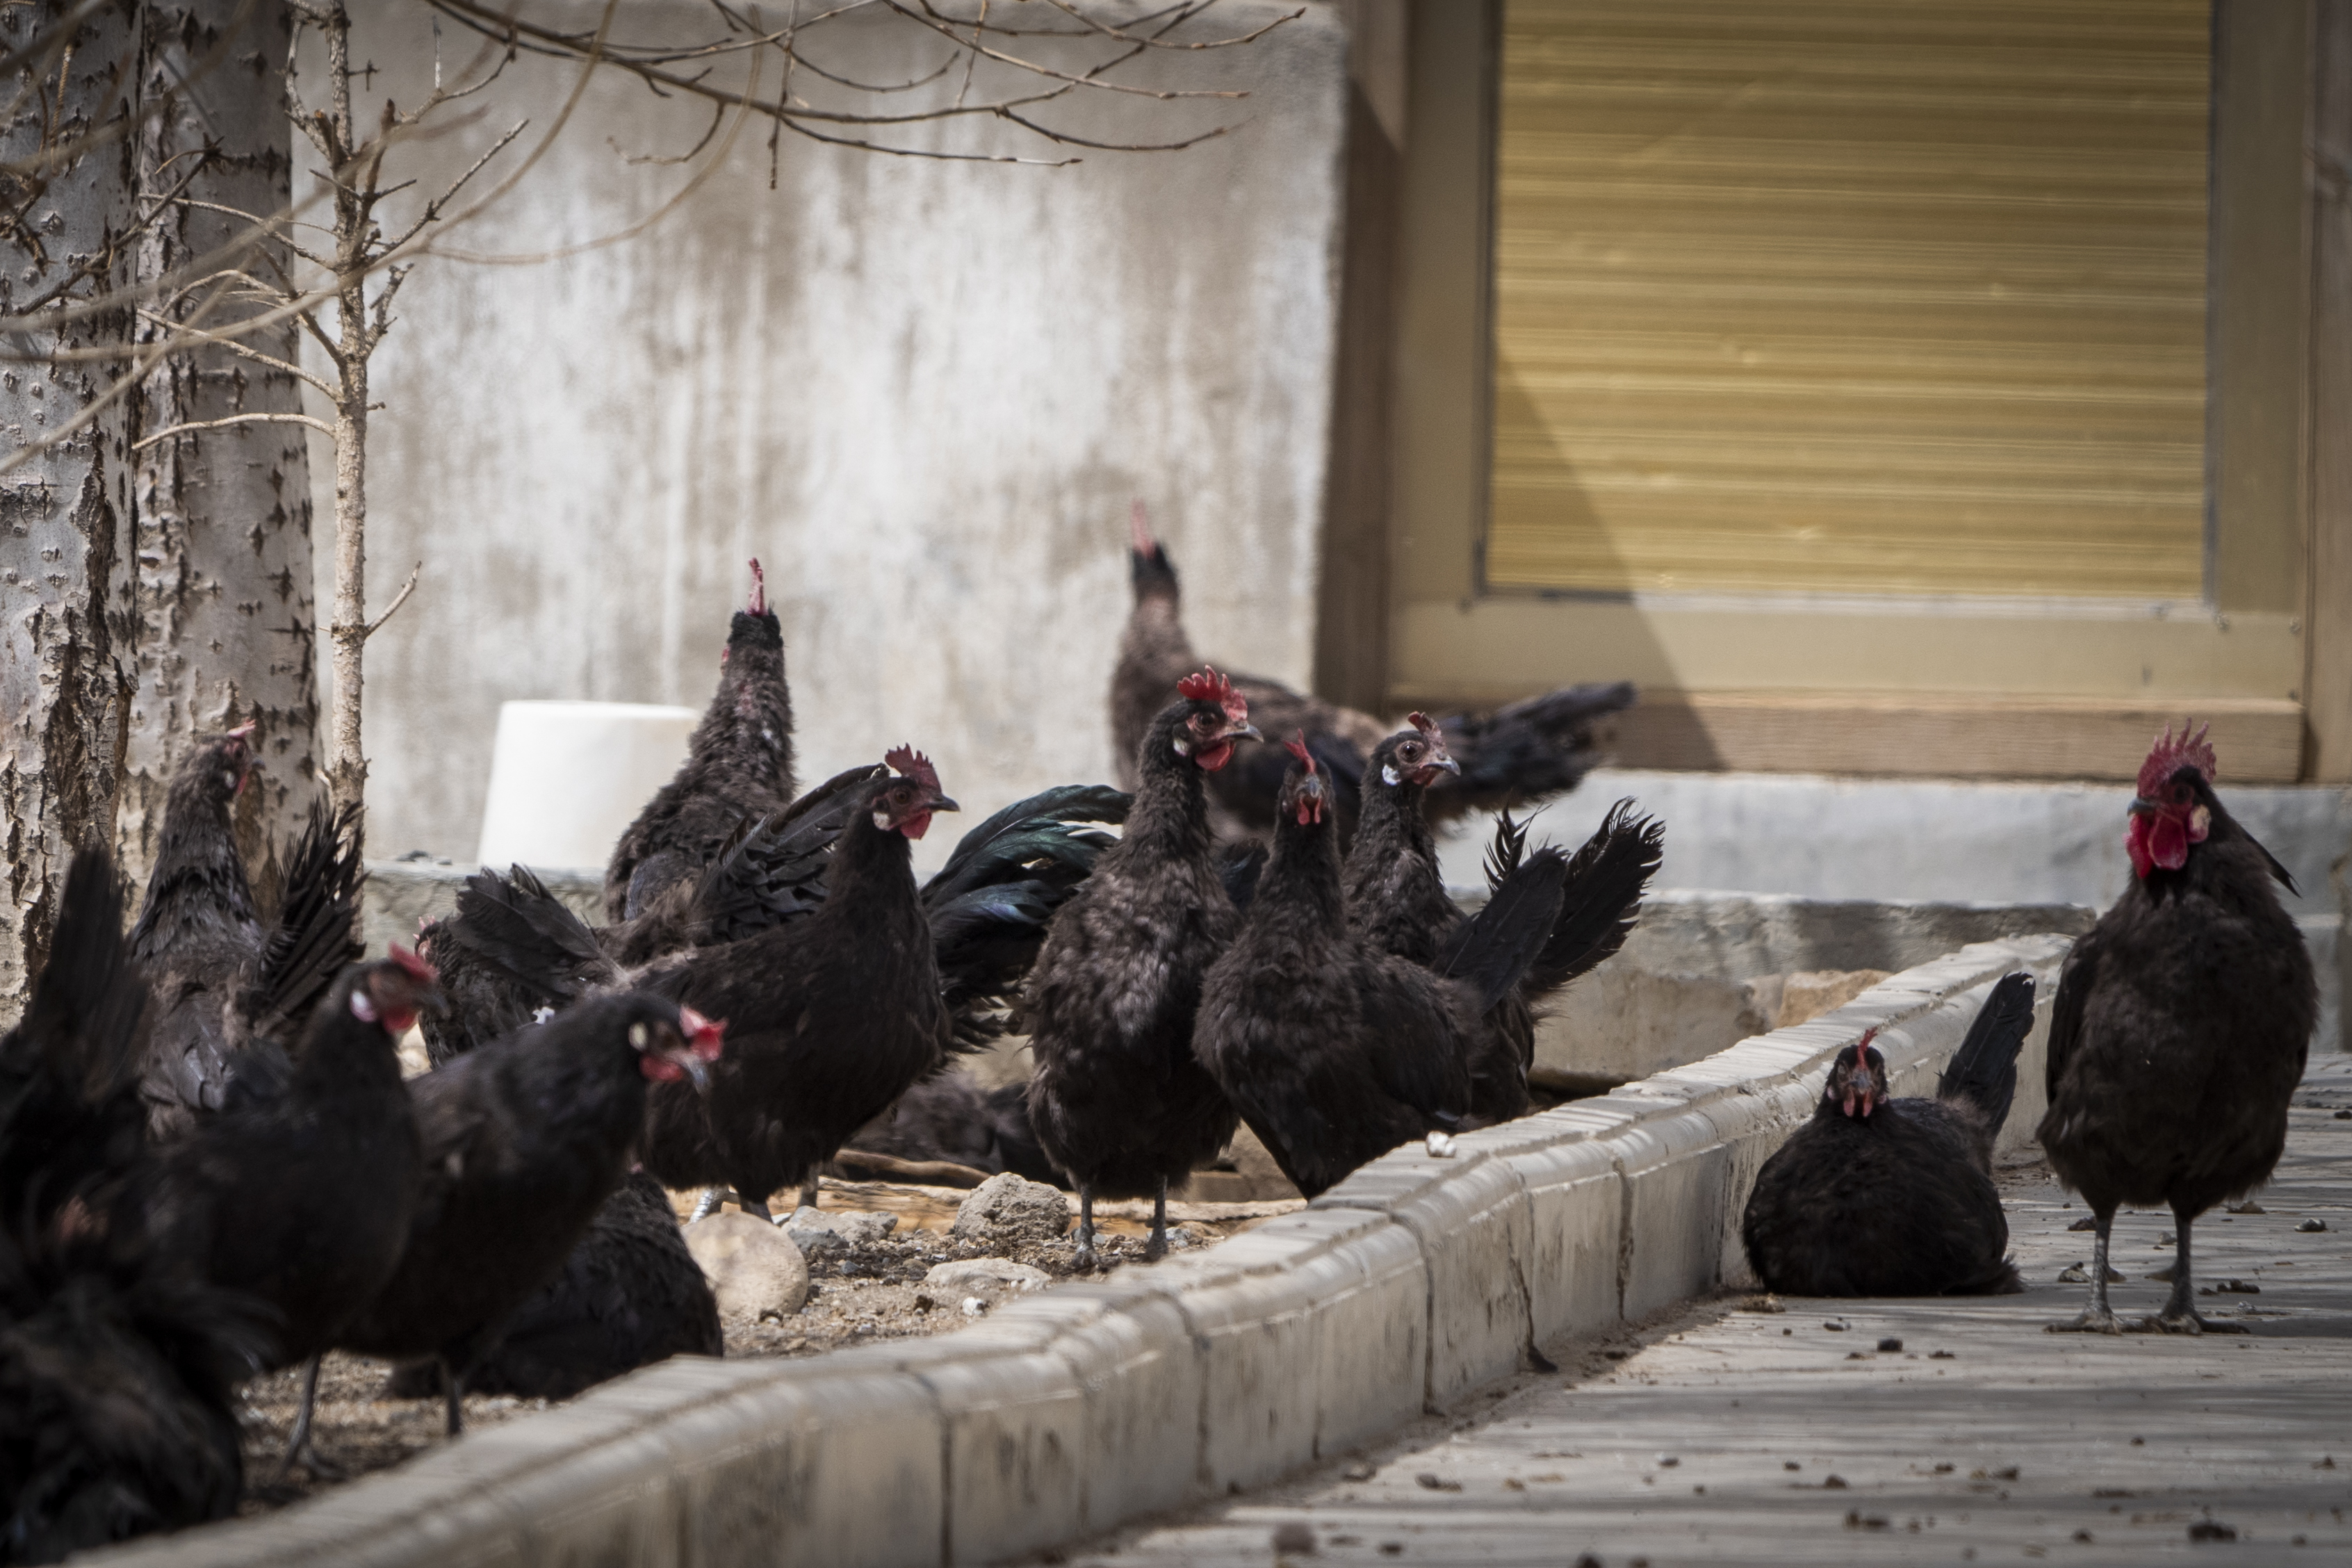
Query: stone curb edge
x=1407, y=1286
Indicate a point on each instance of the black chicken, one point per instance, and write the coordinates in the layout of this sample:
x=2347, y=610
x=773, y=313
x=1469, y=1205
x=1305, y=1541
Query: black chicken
x=833, y=1015
x=512, y=948
x=219, y=977
x=117, y=1374
x=524, y=1141
x=1540, y=746
x=738, y=764
x=1334, y=1051
x=949, y=1119
x=302, y=1190
x=1117, y=1100
x=1876, y=1196
x=2182, y=1024
x=630, y=1295
x=1397, y=902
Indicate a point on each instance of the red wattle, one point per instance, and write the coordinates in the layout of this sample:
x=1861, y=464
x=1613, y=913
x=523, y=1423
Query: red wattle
x=916, y=826
x=660, y=1070
x=1214, y=757
x=2156, y=841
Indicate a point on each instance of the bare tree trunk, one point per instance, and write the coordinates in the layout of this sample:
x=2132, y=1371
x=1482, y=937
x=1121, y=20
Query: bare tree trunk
x=65, y=571
x=355, y=233
x=225, y=607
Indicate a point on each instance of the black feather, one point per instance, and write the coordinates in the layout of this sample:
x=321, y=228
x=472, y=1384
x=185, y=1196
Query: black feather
x=1239, y=865
x=317, y=931
x=1983, y=1071
x=1493, y=951
x=1602, y=899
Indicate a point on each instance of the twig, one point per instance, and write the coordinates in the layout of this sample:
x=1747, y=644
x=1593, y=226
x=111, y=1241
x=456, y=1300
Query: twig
x=169, y=431
x=398, y=599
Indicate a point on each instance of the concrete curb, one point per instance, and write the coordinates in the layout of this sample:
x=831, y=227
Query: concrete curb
x=1400, y=1290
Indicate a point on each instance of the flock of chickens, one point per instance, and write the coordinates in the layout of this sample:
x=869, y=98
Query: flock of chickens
x=210, y=1164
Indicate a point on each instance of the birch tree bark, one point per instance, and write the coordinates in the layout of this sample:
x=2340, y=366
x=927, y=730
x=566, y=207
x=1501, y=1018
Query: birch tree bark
x=224, y=604
x=66, y=209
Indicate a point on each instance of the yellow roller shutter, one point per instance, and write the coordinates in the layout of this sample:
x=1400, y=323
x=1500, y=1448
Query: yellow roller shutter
x=1860, y=297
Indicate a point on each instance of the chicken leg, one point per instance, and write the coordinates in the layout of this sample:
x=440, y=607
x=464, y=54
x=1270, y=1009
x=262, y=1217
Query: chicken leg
x=2179, y=1315
x=712, y=1200
x=810, y=1191
x=300, y=1449
x=453, y=1392
x=1085, y=1257
x=1155, y=1247
x=2098, y=1318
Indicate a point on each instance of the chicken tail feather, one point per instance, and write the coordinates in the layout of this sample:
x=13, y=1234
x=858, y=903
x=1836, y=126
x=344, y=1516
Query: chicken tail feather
x=1983, y=1072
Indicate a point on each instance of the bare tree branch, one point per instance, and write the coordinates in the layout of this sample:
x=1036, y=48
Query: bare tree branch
x=398, y=599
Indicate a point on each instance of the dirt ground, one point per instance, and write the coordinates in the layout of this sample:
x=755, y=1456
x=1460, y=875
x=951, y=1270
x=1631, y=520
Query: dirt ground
x=860, y=1294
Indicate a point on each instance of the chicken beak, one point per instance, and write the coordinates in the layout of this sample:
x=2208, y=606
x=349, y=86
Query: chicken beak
x=1241, y=731
x=697, y=1071
x=941, y=802
x=1448, y=764
x=2141, y=806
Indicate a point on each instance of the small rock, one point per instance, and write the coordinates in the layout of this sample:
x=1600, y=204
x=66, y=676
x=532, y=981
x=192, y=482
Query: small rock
x=1835, y=1327
x=2249, y=1206
x=1667, y=1461
x=754, y=1270
x=2211, y=1530
x=973, y=1306
x=1832, y=1483
x=1939, y=1355
x=1006, y=1208
x=2344, y=1116
x=1766, y=1304
x=1790, y=1465
x=1441, y=1145
x=2086, y=1223
x=823, y=1231
x=1361, y=1470
x=1890, y=1345
x=2307, y=1227
x=1436, y=1483
x=1586, y=1560
x=1293, y=1536
x=969, y=1272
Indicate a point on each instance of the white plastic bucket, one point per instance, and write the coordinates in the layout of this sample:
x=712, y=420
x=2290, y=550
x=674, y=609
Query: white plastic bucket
x=568, y=778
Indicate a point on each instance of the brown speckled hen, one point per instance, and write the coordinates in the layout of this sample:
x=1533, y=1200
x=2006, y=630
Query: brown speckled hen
x=738, y=764
x=1878, y=1196
x=1540, y=746
x=1334, y=1051
x=1117, y=1100
x=2181, y=1027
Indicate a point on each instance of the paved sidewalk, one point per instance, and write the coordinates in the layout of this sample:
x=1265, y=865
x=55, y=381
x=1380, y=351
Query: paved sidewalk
x=1737, y=1436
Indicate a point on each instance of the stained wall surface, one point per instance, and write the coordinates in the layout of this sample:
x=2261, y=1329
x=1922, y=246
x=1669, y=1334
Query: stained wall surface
x=922, y=392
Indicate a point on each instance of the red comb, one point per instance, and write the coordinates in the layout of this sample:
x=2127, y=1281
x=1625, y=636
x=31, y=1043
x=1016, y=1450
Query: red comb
x=417, y=968
x=2168, y=756
x=911, y=763
x=1210, y=687
x=1863, y=1044
x=1297, y=746
x=758, y=604
x=1422, y=722
x=707, y=1037
x=1139, y=529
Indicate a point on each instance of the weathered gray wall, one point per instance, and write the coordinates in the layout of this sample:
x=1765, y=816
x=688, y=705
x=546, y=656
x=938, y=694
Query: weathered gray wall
x=922, y=392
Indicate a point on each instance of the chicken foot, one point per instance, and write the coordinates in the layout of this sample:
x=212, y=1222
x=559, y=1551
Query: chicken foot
x=2098, y=1318
x=299, y=1448
x=810, y=1191
x=2180, y=1315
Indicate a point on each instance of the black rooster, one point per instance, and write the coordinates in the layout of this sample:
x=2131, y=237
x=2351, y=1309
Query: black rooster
x=1540, y=746
x=1397, y=902
x=219, y=977
x=1117, y=1100
x=1334, y=1051
x=302, y=1190
x=2182, y=1024
x=118, y=1376
x=524, y=1141
x=738, y=764
x=1876, y=1196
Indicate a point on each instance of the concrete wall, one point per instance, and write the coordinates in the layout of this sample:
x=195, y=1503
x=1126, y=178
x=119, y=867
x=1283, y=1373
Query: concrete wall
x=922, y=392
